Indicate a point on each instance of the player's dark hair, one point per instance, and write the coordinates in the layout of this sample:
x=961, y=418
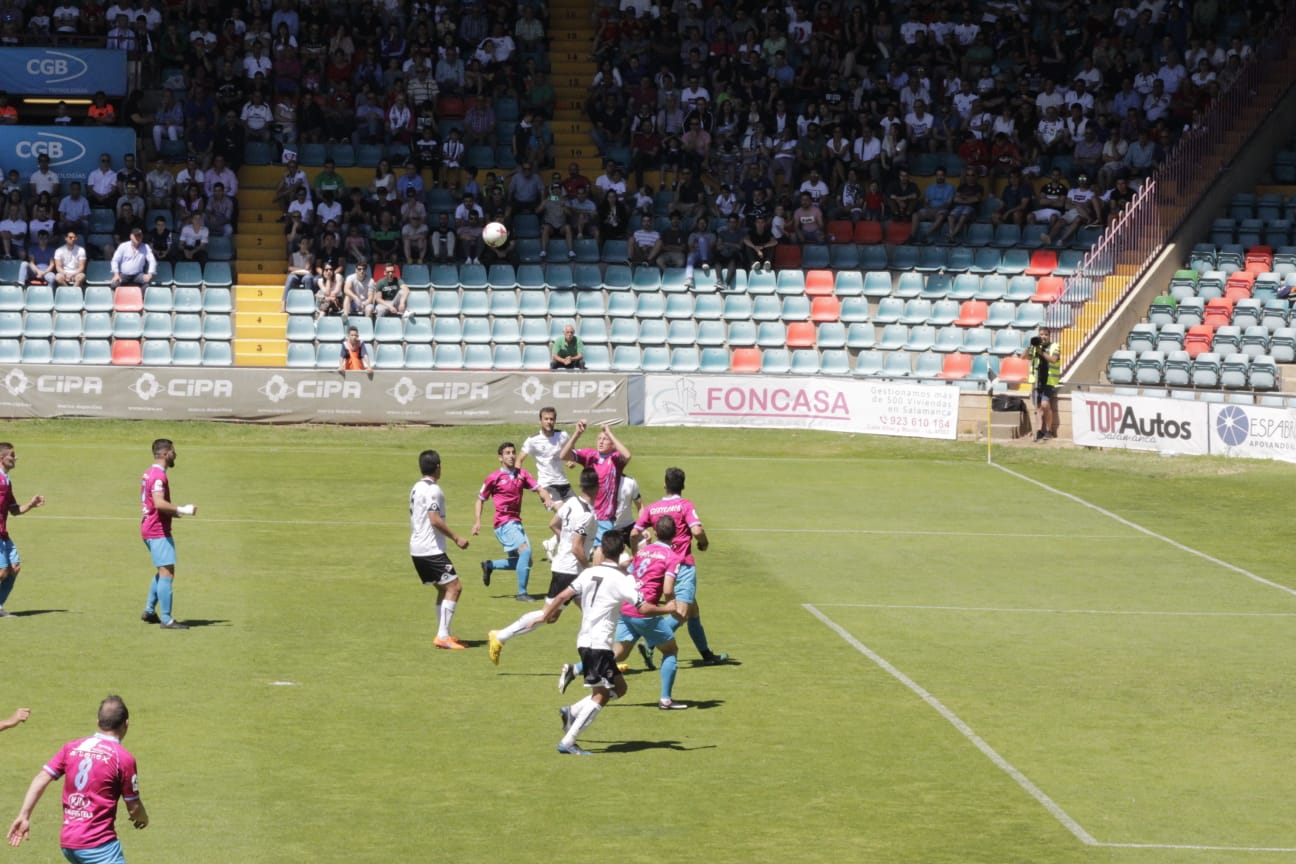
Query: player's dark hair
x=674, y=481
x=429, y=462
x=505, y=446
x=5, y=447
x=113, y=714
x=162, y=445
x=589, y=480
x=665, y=528
x=549, y=409
x=612, y=545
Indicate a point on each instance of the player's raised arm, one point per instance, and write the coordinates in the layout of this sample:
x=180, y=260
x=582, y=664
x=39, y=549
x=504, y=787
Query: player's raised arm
x=570, y=447
x=616, y=443
x=14, y=719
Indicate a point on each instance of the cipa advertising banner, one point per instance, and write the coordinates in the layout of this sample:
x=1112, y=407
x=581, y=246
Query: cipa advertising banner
x=869, y=407
x=61, y=72
x=1139, y=423
x=73, y=151
x=288, y=395
x=1253, y=432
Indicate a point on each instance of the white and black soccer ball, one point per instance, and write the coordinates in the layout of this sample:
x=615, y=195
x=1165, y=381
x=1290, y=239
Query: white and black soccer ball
x=495, y=234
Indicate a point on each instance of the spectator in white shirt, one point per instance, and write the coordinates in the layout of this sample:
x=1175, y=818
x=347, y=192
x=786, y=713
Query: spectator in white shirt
x=69, y=263
x=194, y=237
x=133, y=262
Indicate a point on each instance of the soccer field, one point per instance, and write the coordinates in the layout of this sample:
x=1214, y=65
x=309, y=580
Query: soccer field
x=1064, y=657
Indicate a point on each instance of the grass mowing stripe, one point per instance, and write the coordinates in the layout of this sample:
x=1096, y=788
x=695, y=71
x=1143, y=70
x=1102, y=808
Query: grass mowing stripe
x=1181, y=614
x=1149, y=532
x=965, y=730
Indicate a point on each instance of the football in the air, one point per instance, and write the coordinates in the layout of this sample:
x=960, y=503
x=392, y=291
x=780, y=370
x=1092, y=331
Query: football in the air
x=495, y=234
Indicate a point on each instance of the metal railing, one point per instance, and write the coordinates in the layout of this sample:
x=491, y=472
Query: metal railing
x=1110, y=270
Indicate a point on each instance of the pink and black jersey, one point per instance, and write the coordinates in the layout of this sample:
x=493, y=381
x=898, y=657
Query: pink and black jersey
x=649, y=570
x=507, y=488
x=154, y=524
x=609, y=467
x=685, y=516
x=97, y=771
x=7, y=501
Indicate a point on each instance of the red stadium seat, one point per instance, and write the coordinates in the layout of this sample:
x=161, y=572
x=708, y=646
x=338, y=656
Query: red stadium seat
x=800, y=334
x=127, y=352
x=1198, y=340
x=1048, y=289
x=897, y=233
x=746, y=360
x=1042, y=263
x=841, y=231
x=1014, y=370
x=128, y=298
x=972, y=313
x=1219, y=312
x=787, y=257
x=1240, y=284
x=868, y=232
x=825, y=309
x=819, y=283
x=956, y=365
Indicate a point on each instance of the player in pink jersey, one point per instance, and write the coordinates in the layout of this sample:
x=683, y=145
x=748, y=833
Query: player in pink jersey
x=96, y=771
x=10, y=563
x=507, y=486
x=157, y=511
x=655, y=569
x=609, y=458
x=690, y=529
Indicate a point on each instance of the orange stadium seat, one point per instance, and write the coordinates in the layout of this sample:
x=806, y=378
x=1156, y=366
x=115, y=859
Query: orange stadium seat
x=128, y=298
x=819, y=283
x=841, y=231
x=1014, y=370
x=825, y=309
x=127, y=352
x=1199, y=339
x=972, y=313
x=800, y=334
x=1048, y=289
x=745, y=360
x=1042, y=263
x=1219, y=312
x=956, y=365
x=1240, y=284
x=868, y=231
x=898, y=233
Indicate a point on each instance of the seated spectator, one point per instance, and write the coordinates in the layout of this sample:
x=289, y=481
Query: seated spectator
x=441, y=240
x=967, y=201
x=390, y=294
x=468, y=238
x=1141, y=157
x=100, y=113
x=413, y=205
x=160, y=186
x=414, y=239
x=614, y=217
x=74, y=210
x=553, y=217
x=69, y=264
x=645, y=244
x=1052, y=200
x=168, y=121
x=808, y=221
x=13, y=234
x=1118, y=198
x=293, y=181
x=330, y=294
x=355, y=354
x=479, y=122
x=162, y=240
x=131, y=195
x=219, y=213
x=101, y=184
x=194, y=238
x=39, y=266
x=568, y=352
x=760, y=244
x=701, y=245
x=938, y=197
x=729, y=250
x=257, y=117
x=133, y=262
x=583, y=215
x=301, y=207
x=398, y=125
x=1082, y=208
x=1016, y=201
x=123, y=229
x=358, y=289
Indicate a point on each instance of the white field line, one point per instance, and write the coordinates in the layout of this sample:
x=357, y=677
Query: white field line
x=714, y=530
x=1054, y=809
x=1028, y=611
x=965, y=730
x=1149, y=532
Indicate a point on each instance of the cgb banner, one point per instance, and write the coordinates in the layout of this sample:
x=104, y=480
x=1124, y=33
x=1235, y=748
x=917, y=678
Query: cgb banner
x=73, y=151
x=291, y=396
x=60, y=72
x=870, y=407
x=1139, y=423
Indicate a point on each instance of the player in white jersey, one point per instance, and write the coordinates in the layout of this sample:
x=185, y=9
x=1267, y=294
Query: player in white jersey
x=428, y=534
x=629, y=503
x=601, y=589
x=544, y=447
x=574, y=527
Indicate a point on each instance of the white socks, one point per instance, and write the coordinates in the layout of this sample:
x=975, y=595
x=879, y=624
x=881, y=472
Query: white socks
x=528, y=622
x=445, y=614
x=582, y=714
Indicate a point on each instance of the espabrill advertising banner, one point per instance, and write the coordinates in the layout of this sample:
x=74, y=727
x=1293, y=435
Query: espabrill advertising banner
x=1139, y=423
x=1253, y=432
x=869, y=407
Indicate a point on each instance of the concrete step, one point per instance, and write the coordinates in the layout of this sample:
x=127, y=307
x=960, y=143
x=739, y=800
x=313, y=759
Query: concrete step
x=256, y=199
x=264, y=176
x=263, y=276
x=260, y=332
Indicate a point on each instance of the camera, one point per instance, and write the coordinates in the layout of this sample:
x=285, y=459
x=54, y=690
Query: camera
x=1036, y=342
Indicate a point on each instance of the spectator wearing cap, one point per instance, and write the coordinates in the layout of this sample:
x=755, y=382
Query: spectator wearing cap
x=133, y=262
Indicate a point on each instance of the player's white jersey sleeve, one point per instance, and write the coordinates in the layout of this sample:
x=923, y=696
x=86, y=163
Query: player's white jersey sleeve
x=545, y=450
x=425, y=498
x=625, y=515
x=602, y=590
x=577, y=518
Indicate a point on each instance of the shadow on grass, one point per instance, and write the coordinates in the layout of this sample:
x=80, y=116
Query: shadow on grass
x=702, y=664
x=205, y=622
x=640, y=746
x=694, y=704
x=26, y=613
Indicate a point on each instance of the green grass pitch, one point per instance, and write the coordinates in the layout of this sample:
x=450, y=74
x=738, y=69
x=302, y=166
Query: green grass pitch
x=1141, y=688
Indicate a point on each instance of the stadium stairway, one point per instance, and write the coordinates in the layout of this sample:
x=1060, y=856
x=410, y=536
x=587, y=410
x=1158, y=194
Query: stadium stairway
x=260, y=329
x=571, y=37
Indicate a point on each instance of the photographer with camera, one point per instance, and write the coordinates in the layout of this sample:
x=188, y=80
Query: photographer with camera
x=1046, y=373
